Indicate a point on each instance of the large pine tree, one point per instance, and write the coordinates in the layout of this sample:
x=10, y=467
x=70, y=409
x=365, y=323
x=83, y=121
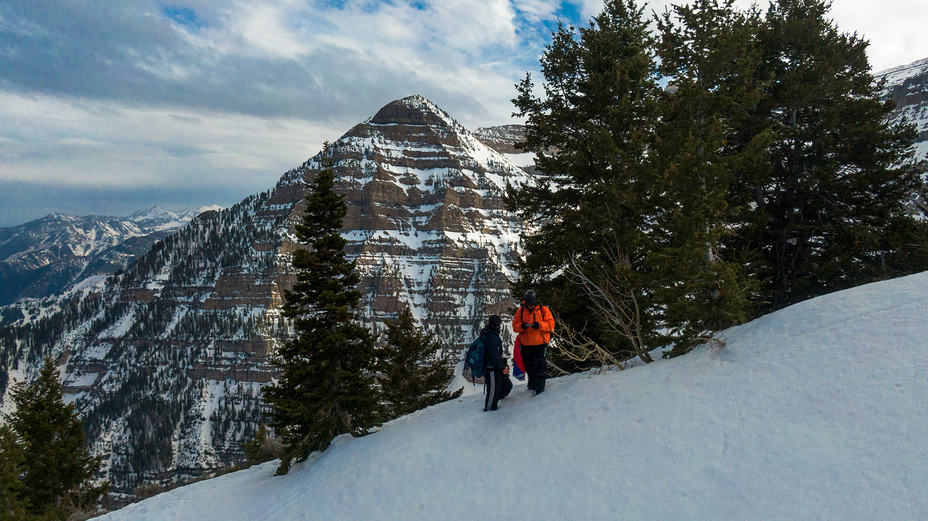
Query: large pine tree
x=59, y=468
x=763, y=175
x=591, y=132
x=326, y=387
x=413, y=375
x=708, y=53
x=829, y=206
x=633, y=203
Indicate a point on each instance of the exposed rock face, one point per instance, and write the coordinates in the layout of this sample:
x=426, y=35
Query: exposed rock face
x=44, y=257
x=503, y=138
x=907, y=86
x=165, y=362
x=427, y=220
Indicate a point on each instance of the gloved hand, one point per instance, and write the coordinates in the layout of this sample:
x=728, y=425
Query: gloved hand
x=534, y=325
x=525, y=325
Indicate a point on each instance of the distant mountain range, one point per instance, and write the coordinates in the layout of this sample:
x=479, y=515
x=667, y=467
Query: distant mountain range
x=46, y=256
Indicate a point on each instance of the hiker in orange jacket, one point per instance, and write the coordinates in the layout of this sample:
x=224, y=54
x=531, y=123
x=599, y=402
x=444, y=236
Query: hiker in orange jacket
x=534, y=324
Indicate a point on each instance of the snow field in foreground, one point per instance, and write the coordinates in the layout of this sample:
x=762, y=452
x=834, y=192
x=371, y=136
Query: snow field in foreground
x=817, y=411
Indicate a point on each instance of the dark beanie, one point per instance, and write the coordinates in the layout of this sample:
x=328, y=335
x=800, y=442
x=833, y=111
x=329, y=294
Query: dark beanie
x=495, y=321
x=531, y=298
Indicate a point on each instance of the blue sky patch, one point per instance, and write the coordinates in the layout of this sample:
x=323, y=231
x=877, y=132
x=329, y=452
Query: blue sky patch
x=569, y=13
x=184, y=16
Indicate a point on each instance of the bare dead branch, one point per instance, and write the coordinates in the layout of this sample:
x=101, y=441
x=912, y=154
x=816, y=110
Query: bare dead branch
x=614, y=296
x=576, y=347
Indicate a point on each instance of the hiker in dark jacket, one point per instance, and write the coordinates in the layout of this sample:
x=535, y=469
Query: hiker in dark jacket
x=498, y=383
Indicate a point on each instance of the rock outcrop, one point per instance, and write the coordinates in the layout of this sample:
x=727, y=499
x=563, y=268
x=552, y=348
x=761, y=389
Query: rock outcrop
x=907, y=86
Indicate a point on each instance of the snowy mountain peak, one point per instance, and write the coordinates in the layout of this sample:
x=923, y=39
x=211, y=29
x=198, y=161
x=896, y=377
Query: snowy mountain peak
x=158, y=214
x=155, y=212
x=59, y=217
x=43, y=257
x=412, y=110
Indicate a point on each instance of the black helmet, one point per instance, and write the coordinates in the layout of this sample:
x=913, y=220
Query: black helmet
x=531, y=299
x=495, y=321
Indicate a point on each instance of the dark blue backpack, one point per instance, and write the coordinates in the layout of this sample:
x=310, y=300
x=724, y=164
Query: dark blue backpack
x=474, y=359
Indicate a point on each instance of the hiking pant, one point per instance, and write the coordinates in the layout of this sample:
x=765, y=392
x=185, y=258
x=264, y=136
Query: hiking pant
x=497, y=387
x=493, y=388
x=536, y=367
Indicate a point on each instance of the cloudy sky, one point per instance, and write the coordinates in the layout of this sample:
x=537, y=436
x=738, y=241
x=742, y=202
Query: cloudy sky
x=110, y=106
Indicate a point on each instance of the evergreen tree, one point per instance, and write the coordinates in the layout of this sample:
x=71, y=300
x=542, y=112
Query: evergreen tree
x=709, y=53
x=829, y=207
x=413, y=376
x=60, y=470
x=595, y=198
x=764, y=174
x=326, y=387
x=261, y=447
x=13, y=506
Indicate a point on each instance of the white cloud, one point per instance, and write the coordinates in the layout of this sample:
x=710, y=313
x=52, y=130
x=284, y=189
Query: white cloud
x=472, y=25
x=265, y=27
x=897, y=31
x=99, y=144
x=256, y=86
x=537, y=10
x=591, y=8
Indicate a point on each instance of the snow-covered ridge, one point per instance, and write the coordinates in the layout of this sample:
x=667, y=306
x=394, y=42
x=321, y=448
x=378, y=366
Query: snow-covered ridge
x=802, y=414
x=161, y=219
x=46, y=256
x=898, y=74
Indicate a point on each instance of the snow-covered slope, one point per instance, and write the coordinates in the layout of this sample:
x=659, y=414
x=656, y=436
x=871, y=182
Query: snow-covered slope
x=814, y=412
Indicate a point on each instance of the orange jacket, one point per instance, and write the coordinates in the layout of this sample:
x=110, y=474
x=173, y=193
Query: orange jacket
x=530, y=336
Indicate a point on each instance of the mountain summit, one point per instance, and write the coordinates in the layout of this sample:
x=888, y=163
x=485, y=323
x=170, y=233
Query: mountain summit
x=412, y=111
x=165, y=361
